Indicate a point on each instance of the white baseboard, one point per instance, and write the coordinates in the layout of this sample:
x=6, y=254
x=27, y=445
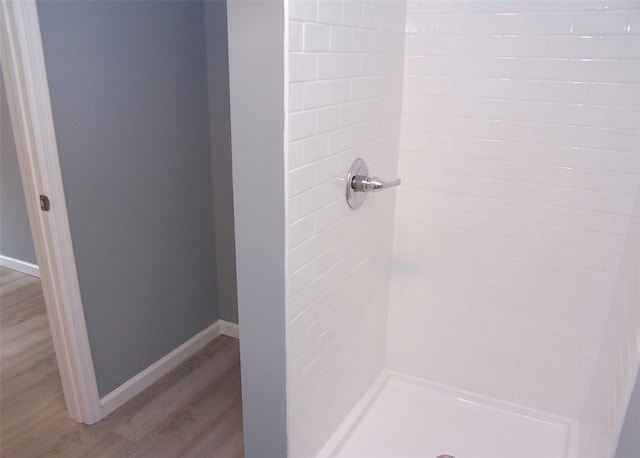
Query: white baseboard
x=20, y=266
x=230, y=329
x=163, y=366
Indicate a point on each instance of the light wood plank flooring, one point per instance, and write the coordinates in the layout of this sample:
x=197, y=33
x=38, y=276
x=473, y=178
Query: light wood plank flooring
x=195, y=411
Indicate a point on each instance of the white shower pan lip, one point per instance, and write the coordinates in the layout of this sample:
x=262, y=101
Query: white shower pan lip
x=365, y=431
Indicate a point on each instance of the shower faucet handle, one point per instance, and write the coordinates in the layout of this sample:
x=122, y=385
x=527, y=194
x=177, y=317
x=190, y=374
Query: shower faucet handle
x=361, y=183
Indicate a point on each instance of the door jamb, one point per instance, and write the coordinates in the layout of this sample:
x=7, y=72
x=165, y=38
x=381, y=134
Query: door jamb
x=23, y=64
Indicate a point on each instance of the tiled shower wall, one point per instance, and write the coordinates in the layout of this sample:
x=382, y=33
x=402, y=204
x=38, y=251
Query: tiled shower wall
x=520, y=164
x=345, y=90
x=619, y=355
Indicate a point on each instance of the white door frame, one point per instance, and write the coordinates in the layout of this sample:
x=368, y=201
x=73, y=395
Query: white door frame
x=27, y=88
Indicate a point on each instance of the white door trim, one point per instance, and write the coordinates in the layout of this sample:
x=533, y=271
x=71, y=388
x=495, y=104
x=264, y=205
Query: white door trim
x=25, y=76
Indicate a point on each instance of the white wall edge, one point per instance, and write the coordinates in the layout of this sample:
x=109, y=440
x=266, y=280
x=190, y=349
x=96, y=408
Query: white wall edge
x=21, y=266
x=160, y=368
x=229, y=329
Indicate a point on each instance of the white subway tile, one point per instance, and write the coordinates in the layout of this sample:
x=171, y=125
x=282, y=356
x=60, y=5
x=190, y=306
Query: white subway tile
x=341, y=39
x=329, y=66
x=597, y=181
x=545, y=69
x=295, y=208
x=564, y=91
x=588, y=350
x=339, y=141
x=543, y=23
x=373, y=18
x=315, y=148
x=328, y=170
x=296, y=259
x=330, y=11
x=302, y=124
x=300, y=231
x=576, y=5
x=452, y=24
x=313, y=199
x=633, y=25
x=608, y=243
x=602, y=281
x=422, y=24
x=580, y=47
x=296, y=36
x=614, y=94
x=349, y=115
x=328, y=119
x=352, y=15
x=614, y=117
x=302, y=67
x=420, y=65
x=340, y=91
x=351, y=66
x=302, y=10
x=628, y=71
x=506, y=46
x=317, y=38
x=620, y=204
x=630, y=183
x=591, y=70
x=496, y=23
x=296, y=155
x=295, y=97
x=301, y=278
x=362, y=41
x=326, y=216
x=301, y=179
x=316, y=94
x=600, y=22
x=518, y=89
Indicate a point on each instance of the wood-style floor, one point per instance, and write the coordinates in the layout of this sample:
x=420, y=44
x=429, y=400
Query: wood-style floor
x=195, y=411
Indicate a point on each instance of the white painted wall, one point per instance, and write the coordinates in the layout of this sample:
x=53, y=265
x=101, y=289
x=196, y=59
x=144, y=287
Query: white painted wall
x=520, y=159
x=345, y=83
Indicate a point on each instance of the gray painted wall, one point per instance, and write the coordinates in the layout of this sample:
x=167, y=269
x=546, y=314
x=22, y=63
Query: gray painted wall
x=129, y=95
x=215, y=14
x=629, y=442
x=256, y=68
x=15, y=233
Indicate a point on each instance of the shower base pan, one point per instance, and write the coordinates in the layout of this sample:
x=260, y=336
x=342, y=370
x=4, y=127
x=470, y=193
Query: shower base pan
x=407, y=417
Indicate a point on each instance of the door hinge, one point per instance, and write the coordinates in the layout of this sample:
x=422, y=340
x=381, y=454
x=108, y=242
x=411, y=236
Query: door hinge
x=44, y=203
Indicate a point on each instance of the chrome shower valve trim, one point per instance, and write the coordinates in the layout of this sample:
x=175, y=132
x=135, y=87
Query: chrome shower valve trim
x=359, y=183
